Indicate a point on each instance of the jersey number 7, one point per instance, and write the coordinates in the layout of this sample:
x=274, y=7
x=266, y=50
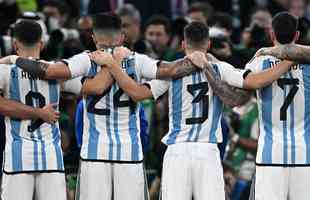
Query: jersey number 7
x=289, y=98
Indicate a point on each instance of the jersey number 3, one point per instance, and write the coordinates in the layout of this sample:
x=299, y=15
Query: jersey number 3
x=289, y=98
x=200, y=97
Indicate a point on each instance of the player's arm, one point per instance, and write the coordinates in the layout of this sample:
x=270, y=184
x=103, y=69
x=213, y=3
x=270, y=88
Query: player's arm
x=266, y=77
x=230, y=95
x=98, y=84
x=38, y=68
x=18, y=110
x=293, y=52
x=131, y=88
x=182, y=67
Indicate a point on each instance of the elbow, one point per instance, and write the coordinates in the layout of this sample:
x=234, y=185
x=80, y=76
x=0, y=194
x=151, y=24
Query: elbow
x=137, y=98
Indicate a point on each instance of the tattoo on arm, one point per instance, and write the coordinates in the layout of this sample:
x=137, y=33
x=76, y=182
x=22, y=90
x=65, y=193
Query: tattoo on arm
x=230, y=96
x=298, y=53
x=176, y=69
x=35, y=68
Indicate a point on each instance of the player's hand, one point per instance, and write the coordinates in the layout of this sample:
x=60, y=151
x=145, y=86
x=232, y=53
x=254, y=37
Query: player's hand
x=198, y=58
x=8, y=59
x=49, y=114
x=120, y=53
x=102, y=58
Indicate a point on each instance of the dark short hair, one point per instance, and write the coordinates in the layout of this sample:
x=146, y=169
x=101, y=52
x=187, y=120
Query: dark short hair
x=223, y=20
x=106, y=22
x=28, y=32
x=196, y=34
x=203, y=7
x=284, y=26
x=159, y=20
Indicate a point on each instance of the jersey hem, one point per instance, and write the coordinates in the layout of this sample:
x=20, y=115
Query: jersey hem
x=282, y=165
x=112, y=161
x=34, y=171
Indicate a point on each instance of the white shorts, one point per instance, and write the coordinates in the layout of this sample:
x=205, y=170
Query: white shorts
x=192, y=170
x=281, y=183
x=29, y=186
x=104, y=180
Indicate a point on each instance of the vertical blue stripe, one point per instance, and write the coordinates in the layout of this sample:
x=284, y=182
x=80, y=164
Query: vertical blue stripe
x=217, y=112
x=39, y=132
x=92, y=152
x=32, y=135
x=306, y=80
x=17, y=160
x=133, y=131
x=133, y=120
x=191, y=132
x=200, y=106
x=54, y=99
x=292, y=129
x=176, y=110
x=266, y=96
x=116, y=129
x=108, y=121
x=57, y=145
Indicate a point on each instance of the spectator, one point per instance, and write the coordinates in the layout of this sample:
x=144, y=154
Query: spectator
x=131, y=21
x=85, y=25
x=157, y=32
x=200, y=11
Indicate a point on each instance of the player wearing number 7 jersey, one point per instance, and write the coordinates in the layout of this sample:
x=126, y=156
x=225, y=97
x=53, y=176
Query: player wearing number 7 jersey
x=283, y=155
x=192, y=166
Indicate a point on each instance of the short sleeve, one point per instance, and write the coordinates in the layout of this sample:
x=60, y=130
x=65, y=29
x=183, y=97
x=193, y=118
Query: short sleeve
x=231, y=75
x=4, y=77
x=73, y=86
x=79, y=64
x=158, y=87
x=146, y=67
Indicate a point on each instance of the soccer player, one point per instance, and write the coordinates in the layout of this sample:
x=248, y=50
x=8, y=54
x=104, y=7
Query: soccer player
x=33, y=157
x=111, y=154
x=192, y=166
x=283, y=155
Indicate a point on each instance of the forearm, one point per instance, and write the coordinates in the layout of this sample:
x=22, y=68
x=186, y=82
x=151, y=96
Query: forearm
x=136, y=91
x=44, y=70
x=248, y=143
x=97, y=85
x=293, y=52
x=176, y=69
x=18, y=110
x=266, y=77
x=230, y=96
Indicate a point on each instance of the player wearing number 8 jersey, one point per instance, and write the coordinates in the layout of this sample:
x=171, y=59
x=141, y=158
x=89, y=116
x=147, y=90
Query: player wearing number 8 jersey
x=33, y=155
x=283, y=155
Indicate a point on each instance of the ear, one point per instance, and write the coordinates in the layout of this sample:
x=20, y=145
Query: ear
x=15, y=45
x=297, y=35
x=272, y=36
x=41, y=45
x=183, y=44
x=209, y=45
x=121, y=38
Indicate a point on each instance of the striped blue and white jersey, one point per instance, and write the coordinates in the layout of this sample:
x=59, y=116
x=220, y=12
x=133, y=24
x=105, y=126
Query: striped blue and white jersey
x=194, y=110
x=111, y=123
x=284, y=108
x=31, y=146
